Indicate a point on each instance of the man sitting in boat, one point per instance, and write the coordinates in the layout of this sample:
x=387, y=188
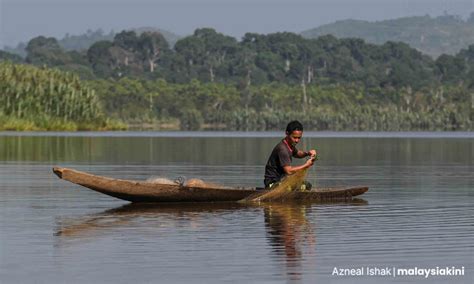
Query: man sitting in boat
x=279, y=162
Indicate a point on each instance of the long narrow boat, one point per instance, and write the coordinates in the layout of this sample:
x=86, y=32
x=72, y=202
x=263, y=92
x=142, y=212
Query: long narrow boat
x=142, y=191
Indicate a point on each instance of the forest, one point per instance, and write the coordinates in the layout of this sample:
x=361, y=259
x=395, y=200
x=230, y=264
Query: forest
x=209, y=80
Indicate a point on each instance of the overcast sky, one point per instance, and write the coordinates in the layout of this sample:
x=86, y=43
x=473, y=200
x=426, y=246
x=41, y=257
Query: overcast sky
x=20, y=20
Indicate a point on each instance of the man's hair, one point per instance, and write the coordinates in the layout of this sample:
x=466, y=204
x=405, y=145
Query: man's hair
x=294, y=125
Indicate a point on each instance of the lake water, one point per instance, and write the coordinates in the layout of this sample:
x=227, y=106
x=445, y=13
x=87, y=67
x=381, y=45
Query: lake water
x=417, y=214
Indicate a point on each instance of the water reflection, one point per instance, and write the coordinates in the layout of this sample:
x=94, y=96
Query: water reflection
x=292, y=235
x=151, y=213
x=289, y=231
x=225, y=151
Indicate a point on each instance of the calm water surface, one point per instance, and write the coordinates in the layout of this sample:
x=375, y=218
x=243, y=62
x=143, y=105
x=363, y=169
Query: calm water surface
x=417, y=213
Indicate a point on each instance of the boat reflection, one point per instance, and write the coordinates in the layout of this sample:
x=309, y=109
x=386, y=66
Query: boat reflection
x=152, y=213
x=289, y=232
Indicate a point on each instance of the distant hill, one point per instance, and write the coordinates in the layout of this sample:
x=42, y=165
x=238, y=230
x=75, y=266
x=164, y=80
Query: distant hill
x=86, y=40
x=445, y=34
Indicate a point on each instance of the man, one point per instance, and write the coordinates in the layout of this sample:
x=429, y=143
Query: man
x=279, y=162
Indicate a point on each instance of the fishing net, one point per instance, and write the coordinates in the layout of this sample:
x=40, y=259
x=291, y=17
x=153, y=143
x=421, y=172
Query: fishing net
x=284, y=190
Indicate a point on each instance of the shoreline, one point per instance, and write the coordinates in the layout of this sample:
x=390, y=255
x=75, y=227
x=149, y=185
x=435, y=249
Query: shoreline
x=243, y=134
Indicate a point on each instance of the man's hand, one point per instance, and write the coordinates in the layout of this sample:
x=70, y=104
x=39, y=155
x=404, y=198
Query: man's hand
x=309, y=163
x=313, y=153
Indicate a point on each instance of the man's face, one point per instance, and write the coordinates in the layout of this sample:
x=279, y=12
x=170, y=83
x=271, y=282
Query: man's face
x=294, y=137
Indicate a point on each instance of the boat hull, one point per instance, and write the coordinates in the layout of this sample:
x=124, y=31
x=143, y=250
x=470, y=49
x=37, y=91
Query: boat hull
x=141, y=191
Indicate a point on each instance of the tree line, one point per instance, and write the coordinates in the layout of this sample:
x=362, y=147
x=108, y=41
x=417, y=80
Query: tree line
x=219, y=106
x=209, y=56
x=212, y=81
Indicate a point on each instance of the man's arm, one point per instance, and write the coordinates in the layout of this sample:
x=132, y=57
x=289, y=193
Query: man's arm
x=301, y=154
x=289, y=170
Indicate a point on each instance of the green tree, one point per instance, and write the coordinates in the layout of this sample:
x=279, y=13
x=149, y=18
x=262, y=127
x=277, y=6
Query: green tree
x=46, y=51
x=151, y=46
x=101, y=59
x=207, y=51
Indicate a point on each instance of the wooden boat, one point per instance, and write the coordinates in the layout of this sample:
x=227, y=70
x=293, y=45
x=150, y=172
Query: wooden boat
x=142, y=191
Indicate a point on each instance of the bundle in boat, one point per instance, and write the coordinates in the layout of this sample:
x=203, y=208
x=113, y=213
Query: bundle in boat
x=182, y=181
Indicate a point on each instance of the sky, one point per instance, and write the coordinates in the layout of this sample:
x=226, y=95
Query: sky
x=21, y=20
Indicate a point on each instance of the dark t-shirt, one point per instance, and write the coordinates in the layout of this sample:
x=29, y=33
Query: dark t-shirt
x=281, y=156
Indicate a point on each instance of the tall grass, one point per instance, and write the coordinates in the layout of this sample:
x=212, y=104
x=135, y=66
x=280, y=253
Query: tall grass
x=33, y=98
